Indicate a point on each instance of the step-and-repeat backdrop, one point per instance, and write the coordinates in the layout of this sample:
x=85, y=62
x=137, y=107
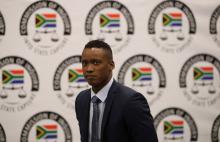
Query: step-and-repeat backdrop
x=168, y=50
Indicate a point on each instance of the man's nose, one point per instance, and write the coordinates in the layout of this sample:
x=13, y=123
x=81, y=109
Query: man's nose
x=90, y=68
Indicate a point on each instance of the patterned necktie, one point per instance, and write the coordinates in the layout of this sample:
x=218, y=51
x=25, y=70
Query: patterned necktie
x=95, y=119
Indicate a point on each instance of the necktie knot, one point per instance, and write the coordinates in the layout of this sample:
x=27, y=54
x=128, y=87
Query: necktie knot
x=96, y=100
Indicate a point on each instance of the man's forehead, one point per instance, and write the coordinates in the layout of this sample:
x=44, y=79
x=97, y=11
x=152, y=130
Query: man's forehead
x=93, y=50
x=96, y=49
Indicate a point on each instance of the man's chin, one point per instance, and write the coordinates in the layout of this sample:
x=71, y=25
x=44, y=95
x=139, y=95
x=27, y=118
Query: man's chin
x=91, y=82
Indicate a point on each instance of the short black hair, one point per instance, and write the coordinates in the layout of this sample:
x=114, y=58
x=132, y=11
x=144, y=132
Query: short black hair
x=100, y=44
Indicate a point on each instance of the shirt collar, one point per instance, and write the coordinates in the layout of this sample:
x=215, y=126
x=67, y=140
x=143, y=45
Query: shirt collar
x=102, y=94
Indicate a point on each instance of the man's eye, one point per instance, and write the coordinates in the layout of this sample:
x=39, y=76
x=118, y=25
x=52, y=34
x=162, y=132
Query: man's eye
x=96, y=62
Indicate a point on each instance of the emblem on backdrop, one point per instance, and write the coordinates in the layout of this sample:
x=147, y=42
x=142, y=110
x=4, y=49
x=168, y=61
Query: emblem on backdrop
x=2, y=134
x=145, y=74
x=69, y=81
x=2, y=26
x=46, y=126
x=18, y=83
x=215, y=135
x=175, y=125
x=111, y=22
x=45, y=27
x=172, y=26
x=214, y=25
x=199, y=80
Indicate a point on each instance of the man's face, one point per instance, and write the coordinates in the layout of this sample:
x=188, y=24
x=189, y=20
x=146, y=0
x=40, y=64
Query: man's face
x=97, y=67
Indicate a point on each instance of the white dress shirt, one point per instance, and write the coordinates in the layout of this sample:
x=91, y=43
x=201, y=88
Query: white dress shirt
x=102, y=95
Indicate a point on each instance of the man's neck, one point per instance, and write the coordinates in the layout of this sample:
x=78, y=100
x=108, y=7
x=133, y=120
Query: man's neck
x=96, y=89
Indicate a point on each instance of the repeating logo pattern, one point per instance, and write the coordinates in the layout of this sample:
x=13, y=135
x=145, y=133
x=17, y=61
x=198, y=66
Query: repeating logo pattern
x=215, y=130
x=175, y=125
x=200, y=80
x=2, y=134
x=45, y=29
x=145, y=74
x=45, y=26
x=173, y=129
x=47, y=131
x=214, y=24
x=46, y=126
x=172, y=25
x=69, y=81
x=19, y=82
x=2, y=26
x=111, y=22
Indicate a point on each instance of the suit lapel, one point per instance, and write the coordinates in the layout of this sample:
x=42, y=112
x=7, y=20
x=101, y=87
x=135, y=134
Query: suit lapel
x=108, y=105
x=86, y=114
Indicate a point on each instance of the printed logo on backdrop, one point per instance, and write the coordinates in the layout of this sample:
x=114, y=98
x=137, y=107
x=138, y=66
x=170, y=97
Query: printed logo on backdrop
x=112, y=22
x=2, y=26
x=144, y=74
x=2, y=134
x=46, y=126
x=172, y=26
x=216, y=130
x=214, y=25
x=175, y=125
x=18, y=83
x=200, y=80
x=69, y=81
x=45, y=27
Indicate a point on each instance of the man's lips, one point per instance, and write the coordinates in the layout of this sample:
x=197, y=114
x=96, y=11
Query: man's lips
x=90, y=76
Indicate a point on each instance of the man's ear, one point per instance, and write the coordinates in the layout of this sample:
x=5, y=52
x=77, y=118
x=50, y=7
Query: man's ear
x=112, y=64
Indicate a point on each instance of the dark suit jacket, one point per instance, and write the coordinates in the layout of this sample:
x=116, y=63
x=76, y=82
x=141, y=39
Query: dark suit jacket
x=126, y=116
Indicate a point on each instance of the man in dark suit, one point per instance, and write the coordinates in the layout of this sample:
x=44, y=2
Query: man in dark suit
x=118, y=114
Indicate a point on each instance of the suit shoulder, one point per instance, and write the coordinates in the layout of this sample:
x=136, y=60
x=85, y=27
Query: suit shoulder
x=127, y=91
x=82, y=94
